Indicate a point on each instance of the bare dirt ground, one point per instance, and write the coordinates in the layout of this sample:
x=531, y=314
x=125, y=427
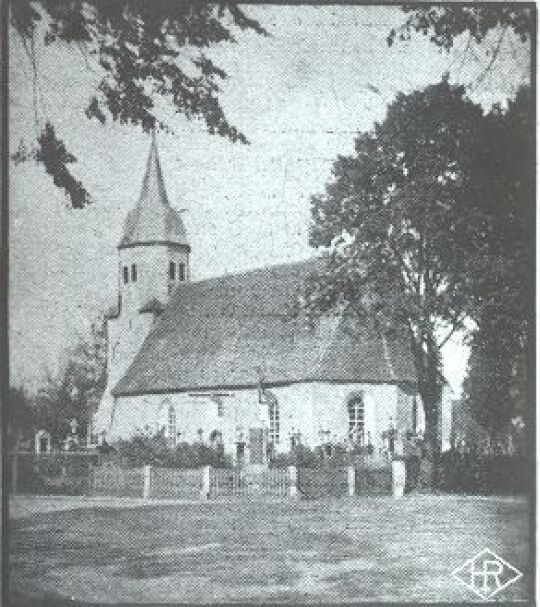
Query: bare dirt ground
x=21, y=506
x=348, y=550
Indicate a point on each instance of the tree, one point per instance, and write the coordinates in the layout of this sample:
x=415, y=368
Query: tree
x=494, y=389
x=499, y=281
x=397, y=224
x=22, y=420
x=137, y=48
x=74, y=393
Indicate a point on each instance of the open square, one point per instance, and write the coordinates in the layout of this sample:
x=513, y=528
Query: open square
x=348, y=550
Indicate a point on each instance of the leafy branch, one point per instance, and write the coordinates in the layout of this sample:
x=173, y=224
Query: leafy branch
x=144, y=51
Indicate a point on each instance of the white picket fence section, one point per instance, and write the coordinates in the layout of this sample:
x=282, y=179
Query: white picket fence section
x=274, y=482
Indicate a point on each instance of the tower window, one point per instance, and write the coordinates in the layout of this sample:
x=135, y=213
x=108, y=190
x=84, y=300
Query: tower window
x=133, y=273
x=181, y=272
x=172, y=270
x=126, y=275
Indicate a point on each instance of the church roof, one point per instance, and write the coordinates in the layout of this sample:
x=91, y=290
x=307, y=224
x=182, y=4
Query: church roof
x=153, y=220
x=215, y=333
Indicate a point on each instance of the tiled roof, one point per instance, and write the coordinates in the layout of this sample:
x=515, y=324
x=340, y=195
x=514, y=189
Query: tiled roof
x=153, y=220
x=217, y=332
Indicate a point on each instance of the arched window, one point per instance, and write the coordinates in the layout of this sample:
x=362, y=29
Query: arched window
x=126, y=274
x=273, y=416
x=171, y=425
x=172, y=270
x=356, y=410
x=133, y=273
x=181, y=272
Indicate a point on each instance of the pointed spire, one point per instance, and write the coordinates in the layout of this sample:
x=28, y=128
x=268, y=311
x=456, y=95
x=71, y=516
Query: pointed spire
x=153, y=188
x=153, y=220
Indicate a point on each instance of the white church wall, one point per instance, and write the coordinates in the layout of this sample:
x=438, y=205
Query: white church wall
x=317, y=410
x=331, y=413
x=295, y=414
x=125, y=335
x=194, y=412
x=131, y=416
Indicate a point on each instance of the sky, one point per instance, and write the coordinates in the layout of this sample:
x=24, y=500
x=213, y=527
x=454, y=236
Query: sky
x=300, y=95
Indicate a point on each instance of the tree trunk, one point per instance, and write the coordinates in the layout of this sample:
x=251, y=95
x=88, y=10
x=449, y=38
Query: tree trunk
x=431, y=435
x=428, y=363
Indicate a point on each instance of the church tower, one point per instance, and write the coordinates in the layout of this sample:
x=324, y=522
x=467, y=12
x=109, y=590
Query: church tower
x=153, y=258
x=153, y=251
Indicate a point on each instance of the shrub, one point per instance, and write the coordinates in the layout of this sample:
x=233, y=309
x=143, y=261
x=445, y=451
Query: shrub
x=299, y=456
x=53, y=473
x=338, y=457
x=156, y=451
x=197, y=455
x=143, y=450
x=482, y=474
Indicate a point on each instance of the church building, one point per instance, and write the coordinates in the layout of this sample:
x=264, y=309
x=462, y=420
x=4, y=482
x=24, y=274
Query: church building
x=234, y=360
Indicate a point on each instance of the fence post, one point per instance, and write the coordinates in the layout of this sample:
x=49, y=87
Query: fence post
x=89, y=477
x=14, y=474
x=293, y=479
x=351, y=480
x=205, y=483
x=398, y=477
x=147, y=473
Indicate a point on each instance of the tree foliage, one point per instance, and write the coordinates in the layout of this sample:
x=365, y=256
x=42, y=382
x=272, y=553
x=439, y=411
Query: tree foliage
x=52, y=153
x=74, y=393
x=444, y=23
x=495, y=386
x=474, y=23
x=22, y=419
x=500, y=281
x=145, y=52
x=412, y=225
